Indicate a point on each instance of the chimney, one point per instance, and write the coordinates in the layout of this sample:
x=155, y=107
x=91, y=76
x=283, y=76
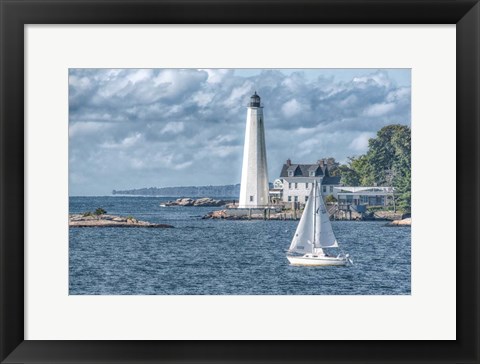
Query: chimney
x=320, y=162
x=289, y=162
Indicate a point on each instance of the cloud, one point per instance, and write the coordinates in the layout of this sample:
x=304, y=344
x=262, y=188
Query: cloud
x=217, y=75
x=77, y=129
x=126, y=143
x=379, y=109
x=292, y=108
x=360, y=143
x=176, y=83
x=159, y=127
x=173, y=127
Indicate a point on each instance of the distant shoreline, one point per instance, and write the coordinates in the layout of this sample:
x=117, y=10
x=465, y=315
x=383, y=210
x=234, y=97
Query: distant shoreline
x=184, y=191
x=154, y=196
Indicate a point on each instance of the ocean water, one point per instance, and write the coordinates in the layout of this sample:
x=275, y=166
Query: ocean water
x=225, y=257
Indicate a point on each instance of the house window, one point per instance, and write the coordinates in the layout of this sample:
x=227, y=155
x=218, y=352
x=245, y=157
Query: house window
x=251, y=198
x=290, y=173
x=289, y=198
x=312, y=174
x=290, y=185
x=306, y=199
x=296, y=185
x=324, y=189
x=296, y=198
x=331, y=189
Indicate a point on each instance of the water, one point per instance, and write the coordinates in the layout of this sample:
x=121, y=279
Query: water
x=225, y=257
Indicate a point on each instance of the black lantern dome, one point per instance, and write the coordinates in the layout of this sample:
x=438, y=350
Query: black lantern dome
x=254, y=100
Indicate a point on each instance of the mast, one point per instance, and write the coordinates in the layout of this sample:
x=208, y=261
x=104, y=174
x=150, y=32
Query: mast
x=314, y=211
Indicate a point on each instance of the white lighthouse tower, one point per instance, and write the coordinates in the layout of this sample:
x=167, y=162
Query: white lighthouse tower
x=254, y=183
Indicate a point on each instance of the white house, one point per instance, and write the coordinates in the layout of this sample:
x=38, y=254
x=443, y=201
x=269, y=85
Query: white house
x=296, y=181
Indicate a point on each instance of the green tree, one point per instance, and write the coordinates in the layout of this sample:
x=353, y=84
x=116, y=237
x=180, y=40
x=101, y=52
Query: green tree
x=390, y=157
x=403, y=192
x=386, y=163
x=100, y=211
x=362, y=166
x=350, y=177
x=332, y=166
x=389, y=154
x=330, y=199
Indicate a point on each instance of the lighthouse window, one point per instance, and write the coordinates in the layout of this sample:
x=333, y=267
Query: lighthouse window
x=251, y=198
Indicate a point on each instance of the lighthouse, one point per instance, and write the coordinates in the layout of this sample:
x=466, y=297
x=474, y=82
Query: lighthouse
x=254, y=183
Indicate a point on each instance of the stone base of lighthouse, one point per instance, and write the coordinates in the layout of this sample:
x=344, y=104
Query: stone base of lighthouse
x=254, y=184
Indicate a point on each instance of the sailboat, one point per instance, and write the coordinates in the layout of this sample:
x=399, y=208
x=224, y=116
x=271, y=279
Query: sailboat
x=314, y=232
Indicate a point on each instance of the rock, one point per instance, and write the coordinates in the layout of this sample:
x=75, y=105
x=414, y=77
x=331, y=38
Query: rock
x=403, y=222
x=208, y=202
x=230, y=214
x=387, y=215
x=110, y=221
x=185, y=202
x=205, y=201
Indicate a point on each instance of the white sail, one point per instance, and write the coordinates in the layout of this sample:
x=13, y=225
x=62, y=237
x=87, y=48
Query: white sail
x=302, y=241
x=314, y=231
x=324, y=236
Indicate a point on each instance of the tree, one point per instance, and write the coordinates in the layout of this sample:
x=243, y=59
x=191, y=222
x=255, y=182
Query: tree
x=390, y=156
x=349, y=176
x=361, y=165
x=386, y=163
x=332, y=166
x=403, y=192
x=100, y=211
x=389, y=153
x=330, y=199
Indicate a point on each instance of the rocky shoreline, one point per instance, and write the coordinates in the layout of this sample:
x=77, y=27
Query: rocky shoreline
x=403, y=222
x=205, y=202
x=265, y=214
x=78, y=220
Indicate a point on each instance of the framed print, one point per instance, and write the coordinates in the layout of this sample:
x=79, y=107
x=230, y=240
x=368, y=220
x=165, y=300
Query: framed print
x=239, y=181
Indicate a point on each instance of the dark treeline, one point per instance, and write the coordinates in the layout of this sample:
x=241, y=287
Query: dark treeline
x=187, y=191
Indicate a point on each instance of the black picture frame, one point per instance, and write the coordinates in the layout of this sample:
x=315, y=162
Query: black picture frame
x=15, y=14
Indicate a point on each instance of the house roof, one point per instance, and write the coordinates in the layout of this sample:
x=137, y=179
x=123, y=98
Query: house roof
x=301, y=170
x=331, y=180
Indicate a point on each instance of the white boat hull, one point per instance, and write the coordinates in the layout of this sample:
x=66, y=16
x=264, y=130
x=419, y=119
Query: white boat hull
x=312, y=260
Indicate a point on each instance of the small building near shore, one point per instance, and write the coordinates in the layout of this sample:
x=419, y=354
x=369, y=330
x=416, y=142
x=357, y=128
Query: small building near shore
x=370, y=196
x=296, y=181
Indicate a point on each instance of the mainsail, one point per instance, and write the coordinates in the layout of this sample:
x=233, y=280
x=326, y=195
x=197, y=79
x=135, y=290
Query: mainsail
x=302, y=241
x=324, y=236
x=314, y=231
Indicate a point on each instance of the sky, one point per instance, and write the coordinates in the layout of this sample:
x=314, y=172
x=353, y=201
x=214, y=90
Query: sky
x=135, y=128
